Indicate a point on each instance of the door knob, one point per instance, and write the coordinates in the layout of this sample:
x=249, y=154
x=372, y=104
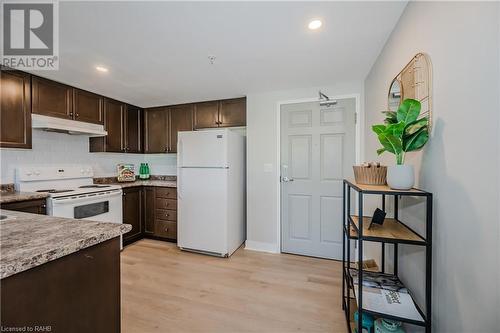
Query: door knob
x=286, y=179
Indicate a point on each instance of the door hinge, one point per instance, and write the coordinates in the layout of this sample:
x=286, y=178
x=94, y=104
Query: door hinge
x=355, y=117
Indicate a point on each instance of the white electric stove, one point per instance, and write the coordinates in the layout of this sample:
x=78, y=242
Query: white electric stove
x=72, y=192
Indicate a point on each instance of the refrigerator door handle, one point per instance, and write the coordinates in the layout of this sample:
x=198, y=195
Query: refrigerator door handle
x=179, y=168
x=179, y=152
x=179, y=183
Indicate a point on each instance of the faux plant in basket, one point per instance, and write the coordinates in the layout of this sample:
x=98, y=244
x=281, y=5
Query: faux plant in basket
x=402, y=132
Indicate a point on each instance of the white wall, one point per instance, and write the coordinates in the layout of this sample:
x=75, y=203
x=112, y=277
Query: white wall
x=263, y=160
x=460, y=164
x=57, y=148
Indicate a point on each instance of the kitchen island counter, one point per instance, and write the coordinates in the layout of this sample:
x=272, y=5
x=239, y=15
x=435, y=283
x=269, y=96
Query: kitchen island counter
x=30, y=240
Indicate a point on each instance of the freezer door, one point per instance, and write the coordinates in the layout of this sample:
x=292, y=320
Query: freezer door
x=202, y=149
x=202, y=209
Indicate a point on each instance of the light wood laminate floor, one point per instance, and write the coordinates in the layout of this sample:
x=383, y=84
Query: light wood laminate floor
x=167, y=290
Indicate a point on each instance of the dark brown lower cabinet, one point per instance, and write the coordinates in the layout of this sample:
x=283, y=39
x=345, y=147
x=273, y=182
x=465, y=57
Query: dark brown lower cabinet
x=132, y=213
x=77, y=293
x=166, y=229
x=37, y=206
x=158, y=206
x=149, y=210
x=166, y=213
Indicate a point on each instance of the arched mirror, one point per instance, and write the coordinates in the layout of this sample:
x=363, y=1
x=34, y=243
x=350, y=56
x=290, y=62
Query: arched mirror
x=395, y=95
x=414, y=81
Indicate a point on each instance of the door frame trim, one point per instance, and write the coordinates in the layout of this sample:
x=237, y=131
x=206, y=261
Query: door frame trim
x=358, y=137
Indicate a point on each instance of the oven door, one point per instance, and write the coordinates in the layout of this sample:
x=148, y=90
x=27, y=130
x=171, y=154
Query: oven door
x=101, y=206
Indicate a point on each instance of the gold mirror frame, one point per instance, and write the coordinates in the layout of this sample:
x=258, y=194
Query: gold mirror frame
x=415, y=80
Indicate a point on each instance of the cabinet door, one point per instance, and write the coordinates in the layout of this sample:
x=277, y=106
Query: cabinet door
x=149, y=210
x=181, y=119
x=113, y=111
x=52, y=98
x=132, y=213
x=77, y=293
x=29, y=206
x=156, y=130
x=87, y=106
x=133, y=129
x=232, y=112
x=15, y=109
x=206, y=115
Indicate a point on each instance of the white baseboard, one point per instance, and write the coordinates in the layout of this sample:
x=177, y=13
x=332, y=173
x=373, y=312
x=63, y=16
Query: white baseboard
x=261, y=246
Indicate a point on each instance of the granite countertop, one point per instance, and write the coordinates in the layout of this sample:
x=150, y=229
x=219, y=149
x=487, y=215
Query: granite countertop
x=29, y=240
x=159, y=183
x=6, y=197
x=155, y=180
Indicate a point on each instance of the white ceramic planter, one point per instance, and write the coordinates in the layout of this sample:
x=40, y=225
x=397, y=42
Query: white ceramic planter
x=400, y=177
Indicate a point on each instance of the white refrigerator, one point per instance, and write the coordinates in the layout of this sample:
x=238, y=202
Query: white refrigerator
x=211, y=191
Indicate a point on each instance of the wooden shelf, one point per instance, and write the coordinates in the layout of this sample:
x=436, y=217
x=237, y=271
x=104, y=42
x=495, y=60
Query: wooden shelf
x=384, y=189
x=392, y=231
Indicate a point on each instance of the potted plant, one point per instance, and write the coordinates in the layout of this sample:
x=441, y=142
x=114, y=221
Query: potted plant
x=402, y=132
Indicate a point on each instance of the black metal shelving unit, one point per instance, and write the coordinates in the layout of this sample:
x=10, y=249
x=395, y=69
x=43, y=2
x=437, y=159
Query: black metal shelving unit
x=394, y=232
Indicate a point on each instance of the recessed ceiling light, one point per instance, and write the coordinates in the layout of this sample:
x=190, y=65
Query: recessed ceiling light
x=101, y=69
x=315, y=24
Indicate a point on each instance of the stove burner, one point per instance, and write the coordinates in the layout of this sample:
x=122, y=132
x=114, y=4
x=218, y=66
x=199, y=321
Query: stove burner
x=94, y=186
x=55, y=191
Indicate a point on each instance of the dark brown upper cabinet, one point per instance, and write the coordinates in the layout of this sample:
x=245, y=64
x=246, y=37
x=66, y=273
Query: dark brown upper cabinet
x=114, y=124
x=206, y=115
x=224, y=113
x=133, y=129
x=162, y=124
x=87, y=107
x=233, y=112
x=155, y=130
x=50, y=98
x=15, y=109
x=181, y=119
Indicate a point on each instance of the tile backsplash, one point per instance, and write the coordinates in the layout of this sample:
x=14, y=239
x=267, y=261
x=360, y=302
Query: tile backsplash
x=57, y=149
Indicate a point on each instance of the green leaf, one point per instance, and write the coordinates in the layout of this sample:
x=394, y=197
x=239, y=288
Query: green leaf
x=415, y=126
x=378, y=128
x=380, y=151
x=408, y=111
x=396, y=129
x=390, y=117
x=391, y=143
x=417, y=140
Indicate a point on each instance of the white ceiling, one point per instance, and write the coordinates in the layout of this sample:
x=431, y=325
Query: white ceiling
x=157, y=52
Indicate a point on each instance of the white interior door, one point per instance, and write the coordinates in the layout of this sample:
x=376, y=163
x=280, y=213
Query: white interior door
x=317, y=152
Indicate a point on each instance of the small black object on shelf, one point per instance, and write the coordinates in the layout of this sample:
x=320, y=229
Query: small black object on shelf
x=378, y=217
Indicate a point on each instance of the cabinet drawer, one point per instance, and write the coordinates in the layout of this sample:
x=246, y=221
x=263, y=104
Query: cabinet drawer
x=166, y=214
x=166, y=229
x=162, y=203
x=166, y=192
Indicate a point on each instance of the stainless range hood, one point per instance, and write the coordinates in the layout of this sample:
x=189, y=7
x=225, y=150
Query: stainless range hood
x=53, y=124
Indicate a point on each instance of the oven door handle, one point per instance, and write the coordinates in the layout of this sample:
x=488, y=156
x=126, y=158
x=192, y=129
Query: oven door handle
x=86, y=197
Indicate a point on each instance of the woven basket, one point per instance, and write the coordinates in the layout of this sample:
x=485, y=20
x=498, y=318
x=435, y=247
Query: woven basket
x=372, y=175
